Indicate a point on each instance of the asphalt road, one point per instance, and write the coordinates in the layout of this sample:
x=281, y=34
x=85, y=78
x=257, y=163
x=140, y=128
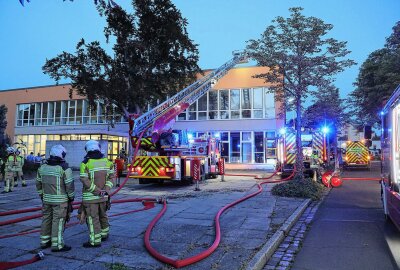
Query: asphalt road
x=350, y=231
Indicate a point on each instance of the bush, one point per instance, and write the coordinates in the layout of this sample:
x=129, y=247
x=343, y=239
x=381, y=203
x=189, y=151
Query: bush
x=299, y=188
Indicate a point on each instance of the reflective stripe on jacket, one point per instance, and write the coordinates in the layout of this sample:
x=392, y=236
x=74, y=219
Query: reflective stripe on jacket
x=55, y=184
x=12, y=163
x=96, y=175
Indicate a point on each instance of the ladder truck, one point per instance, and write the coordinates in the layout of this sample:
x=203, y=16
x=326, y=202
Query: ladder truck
x=170, y=154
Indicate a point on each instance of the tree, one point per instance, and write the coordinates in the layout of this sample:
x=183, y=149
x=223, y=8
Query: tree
x=301, y=61
x=153, y=57
x=378, y=77
x=328, y=110
x=109, y=2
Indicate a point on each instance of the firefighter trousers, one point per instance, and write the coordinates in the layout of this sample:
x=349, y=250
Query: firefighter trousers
x=20, y=177
x=9, y=181
x=97, y=221
x=53, y=224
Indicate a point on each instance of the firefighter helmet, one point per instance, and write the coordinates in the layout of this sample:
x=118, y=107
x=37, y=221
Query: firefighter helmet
x=92, y=145
x=10, y=150
x=58, y=151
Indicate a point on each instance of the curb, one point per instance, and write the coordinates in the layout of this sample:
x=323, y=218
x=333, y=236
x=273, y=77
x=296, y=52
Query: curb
x=261, y=258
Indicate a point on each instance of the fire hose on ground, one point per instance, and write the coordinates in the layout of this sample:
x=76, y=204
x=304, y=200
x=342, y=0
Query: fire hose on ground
x=40, y=255
x=190, y=260
x=149, y=203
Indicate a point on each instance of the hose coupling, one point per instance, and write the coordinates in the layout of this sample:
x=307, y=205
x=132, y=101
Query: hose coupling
x=40, y=255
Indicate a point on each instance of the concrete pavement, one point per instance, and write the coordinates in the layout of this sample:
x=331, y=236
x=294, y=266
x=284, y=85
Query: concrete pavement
x=185, y=230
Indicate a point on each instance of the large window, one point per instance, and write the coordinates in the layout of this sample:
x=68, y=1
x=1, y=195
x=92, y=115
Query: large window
x=255, y=103
x=68, y=112
x=235, y=147
x=246, y=146
x=37, y=143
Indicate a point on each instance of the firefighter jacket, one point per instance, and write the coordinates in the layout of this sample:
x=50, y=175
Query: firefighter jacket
x=21, y=162
x=54, y=182
x=96, y=173
x=12, y=164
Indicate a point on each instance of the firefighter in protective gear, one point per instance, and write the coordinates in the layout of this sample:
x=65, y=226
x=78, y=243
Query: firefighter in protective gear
x=55, y=185
x=18, y=174
x=315, y=159
x=9, y=169
x=96, y=174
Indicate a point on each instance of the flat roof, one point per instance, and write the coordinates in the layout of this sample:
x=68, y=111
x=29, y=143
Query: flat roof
x=34, y=87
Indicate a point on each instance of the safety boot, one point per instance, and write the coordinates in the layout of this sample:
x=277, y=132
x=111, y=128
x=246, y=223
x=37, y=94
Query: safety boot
x=88, y=245
x=44, y=246
x=64, y=248
x=104, y=238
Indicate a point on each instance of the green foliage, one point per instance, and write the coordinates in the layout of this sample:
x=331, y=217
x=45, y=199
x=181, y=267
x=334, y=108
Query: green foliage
x=152, y=57
x=327, y=107
x=378, y=77
x=299, y=188
x=301, y=61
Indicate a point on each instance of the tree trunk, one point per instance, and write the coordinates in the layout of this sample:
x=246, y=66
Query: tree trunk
x=299, y=149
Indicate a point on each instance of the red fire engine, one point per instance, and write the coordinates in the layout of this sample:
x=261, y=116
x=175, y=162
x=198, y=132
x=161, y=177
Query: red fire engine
x=171, y=155
x=313, y=147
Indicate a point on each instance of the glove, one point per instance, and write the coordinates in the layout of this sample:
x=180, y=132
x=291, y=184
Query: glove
x=108, y=204
x=70, y=207
x=103, y=193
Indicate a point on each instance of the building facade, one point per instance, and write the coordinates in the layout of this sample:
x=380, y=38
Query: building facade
x=239, y=109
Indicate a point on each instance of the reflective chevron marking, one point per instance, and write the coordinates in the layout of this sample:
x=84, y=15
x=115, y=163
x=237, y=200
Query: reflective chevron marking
x=151, y=165
x=356, y=152
x=318, y=143
x=144, y=142
x=291, y=148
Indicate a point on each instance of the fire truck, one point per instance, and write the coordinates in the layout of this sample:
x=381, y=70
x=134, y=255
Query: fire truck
x=390, y=169
x=357, y=155
x=313, y=147
x=171, y=154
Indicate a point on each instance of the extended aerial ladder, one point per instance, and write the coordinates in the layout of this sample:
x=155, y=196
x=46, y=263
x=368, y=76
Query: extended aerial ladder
x=176, y=163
